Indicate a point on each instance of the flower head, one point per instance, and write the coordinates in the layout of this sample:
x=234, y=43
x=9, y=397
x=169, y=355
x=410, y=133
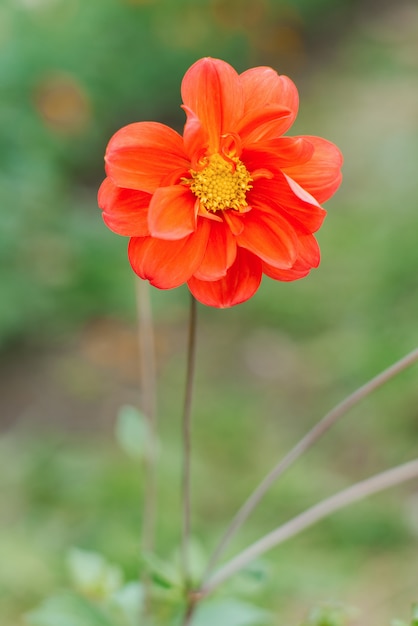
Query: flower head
x=230, y=200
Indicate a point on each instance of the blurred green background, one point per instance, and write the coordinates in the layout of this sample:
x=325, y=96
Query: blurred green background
x=71, y=73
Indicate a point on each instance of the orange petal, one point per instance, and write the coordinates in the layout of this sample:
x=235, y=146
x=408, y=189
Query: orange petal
x=280, y=194
x=234, y=221
x=240, y=283
x=299, y=192
x=196, y=138
x=125, y=211
x=220, y=253
x=321, y=175
x=263, y=123
x=171, y=212
x=309, y=252
x=281, y=152
x=308, y=258
x=146, y=155
x=211, y=89
x=299, y=270
x=269, y=236
x=168, y=264
x=264, y=87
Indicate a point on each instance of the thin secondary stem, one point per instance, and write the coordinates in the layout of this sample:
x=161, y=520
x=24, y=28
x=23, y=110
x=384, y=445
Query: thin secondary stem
x=186, y=432
x=190, y=610
x=323, y=509
x=149, y=407
x=302, y=446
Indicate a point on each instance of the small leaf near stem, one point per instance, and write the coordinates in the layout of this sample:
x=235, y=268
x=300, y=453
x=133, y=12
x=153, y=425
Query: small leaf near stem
x=186, y=432
x=323, y=509
x=302, y=446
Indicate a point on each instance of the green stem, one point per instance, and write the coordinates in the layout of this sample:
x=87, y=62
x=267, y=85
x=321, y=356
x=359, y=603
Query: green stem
x=323, y=509
x=302, y=446
x=186, y=433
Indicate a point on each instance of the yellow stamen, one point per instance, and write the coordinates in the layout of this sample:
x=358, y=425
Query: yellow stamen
x=221, y=184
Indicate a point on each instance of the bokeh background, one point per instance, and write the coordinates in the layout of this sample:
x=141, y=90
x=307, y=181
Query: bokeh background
x=71, y=73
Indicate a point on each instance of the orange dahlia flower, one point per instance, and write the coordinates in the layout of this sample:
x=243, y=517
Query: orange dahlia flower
x=231, y=199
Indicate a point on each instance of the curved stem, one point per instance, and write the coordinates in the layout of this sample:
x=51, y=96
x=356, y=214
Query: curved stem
x=302, y=446
x=323, y=509
x=186, y=431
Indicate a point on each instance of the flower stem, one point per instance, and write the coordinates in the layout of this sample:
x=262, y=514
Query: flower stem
x=323, y=509
x=186, y=433
x=149, y=409
x=192, y=601
x=302, y=446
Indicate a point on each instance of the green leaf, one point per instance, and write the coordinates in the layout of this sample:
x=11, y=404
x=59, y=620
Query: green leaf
x=67, y=609
x=197, y=558
x=414, y=620
x=230, y=613
x=133, y=433
x=332, y=614
x=92, y=575
x=250, y=579
x=163, y=573
x=129, y=601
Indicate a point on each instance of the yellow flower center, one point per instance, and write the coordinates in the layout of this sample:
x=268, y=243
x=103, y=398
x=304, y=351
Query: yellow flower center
x=221, y=184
